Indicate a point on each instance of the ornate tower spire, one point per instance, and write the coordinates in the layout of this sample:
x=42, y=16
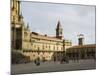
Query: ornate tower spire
x=59, y=33
x=21, y=17
x=27, y=25
x=15, y=11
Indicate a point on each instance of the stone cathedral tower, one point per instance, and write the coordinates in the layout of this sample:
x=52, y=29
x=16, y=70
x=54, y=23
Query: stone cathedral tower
x=18, y=29
x=59, y=31
x=16, y=25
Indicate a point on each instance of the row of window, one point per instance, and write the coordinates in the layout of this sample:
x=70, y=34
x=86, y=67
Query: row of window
x=81, y=50
x=47, y=47
x=46, y=42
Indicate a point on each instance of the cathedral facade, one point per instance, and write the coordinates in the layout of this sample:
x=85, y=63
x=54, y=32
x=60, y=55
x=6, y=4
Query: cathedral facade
x=33, y=44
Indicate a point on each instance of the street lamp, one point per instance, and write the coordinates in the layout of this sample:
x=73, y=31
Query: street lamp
x=64, y=46
x=64, y=54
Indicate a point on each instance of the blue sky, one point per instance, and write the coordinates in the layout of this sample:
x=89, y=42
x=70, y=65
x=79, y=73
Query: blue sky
x=75, y=19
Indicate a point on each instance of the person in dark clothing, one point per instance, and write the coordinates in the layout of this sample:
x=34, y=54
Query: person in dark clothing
x=37, y=61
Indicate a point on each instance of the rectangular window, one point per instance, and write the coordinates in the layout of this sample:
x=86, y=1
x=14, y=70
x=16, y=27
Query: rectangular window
x=54, y=47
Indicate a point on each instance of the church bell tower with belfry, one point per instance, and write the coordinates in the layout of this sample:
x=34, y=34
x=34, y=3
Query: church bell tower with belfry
x=59, y=31
x=20, y=32
x=16, y=25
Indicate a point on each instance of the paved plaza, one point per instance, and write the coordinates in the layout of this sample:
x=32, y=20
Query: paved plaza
x=52, y=67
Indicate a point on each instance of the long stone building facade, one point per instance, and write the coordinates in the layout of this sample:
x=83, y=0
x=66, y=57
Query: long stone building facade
x=81, y=52
x=33, y=44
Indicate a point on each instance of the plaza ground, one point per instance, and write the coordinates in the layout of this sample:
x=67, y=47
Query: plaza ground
x=53, y=67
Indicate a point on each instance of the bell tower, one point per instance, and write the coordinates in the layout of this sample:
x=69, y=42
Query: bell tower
x=16, y=25
x=80, y=39
x=59, y=33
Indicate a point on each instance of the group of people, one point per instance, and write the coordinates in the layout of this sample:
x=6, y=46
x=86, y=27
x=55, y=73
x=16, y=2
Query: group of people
x=64, y=59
